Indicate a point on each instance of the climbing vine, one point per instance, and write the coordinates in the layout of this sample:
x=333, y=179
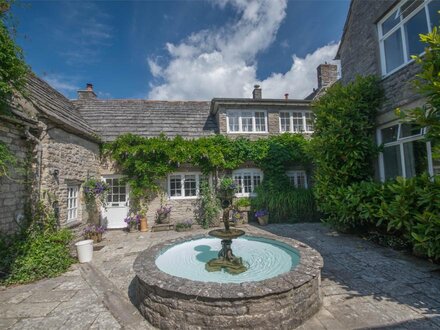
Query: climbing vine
x=7, y=159
x=145, y=161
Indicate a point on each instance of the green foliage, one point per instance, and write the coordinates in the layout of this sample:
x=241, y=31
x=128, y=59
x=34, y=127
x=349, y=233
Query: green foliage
x=242, y=202
x=13, y=69
x=408, y=209
x=428, y=85
x=7, y=159
x=343, y=146
x=286, y=204
x=37, y=252
x=209, y=206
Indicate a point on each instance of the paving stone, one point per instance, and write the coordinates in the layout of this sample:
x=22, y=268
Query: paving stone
x=12, y=297
x=7, y=323
x=105, y=321
x=51, y=296
x=328, y=320
x=81, y=321
x=42, y=323
x=27, y=310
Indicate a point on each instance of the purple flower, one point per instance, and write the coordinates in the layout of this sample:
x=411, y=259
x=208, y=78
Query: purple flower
x=163, y=210
x=261, y=213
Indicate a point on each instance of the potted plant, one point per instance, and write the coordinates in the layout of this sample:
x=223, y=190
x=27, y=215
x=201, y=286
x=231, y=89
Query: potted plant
x=237, y=218
x=143, y=216
x=243, y=204
x=227, y=188
x=184, y=226
x=262, y=216
x=94, y=232
x=132, y=222
x=163, y=215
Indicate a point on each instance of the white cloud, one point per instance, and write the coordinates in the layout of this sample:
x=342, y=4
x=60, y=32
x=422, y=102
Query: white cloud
x=222, y=62
x=61, y=83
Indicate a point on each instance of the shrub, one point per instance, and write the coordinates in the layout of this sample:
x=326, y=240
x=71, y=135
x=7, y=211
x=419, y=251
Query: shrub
x=33, y=257
x=242, y=202
x=208, y=210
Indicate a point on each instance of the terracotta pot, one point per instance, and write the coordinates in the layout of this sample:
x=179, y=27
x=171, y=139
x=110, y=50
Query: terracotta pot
x=144, y=224
x=263, y=221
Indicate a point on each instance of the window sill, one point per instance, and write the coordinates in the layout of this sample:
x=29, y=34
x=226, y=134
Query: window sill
x=396, y=70
x=247, y=132
x=183, y=197
x=72, y=223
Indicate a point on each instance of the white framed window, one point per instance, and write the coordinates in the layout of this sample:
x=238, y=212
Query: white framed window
x=246, y=121
x=247, y=180
x=399, y=32
x=184, y=185
x=405, y=152
x=298, y=179
x=296, y=121
x=117, y=193
x=72, y=203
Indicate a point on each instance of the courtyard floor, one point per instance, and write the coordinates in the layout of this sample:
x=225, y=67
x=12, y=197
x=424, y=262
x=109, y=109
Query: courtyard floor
x=364, y=286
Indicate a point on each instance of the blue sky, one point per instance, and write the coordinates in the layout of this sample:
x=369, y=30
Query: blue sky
x=180, y=49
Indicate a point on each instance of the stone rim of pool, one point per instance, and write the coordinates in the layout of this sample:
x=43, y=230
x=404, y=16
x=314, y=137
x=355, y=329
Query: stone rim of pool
x=309, y=267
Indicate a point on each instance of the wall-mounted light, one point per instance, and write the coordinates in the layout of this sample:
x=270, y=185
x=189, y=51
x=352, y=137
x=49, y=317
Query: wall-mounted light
x=56, y=172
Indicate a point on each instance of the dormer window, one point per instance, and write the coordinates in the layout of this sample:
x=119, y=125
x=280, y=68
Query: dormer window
x=400, y=29
x=246, y=121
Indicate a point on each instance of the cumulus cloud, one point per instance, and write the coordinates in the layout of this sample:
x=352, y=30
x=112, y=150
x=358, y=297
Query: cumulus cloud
x=61, y=83
x=222, y=62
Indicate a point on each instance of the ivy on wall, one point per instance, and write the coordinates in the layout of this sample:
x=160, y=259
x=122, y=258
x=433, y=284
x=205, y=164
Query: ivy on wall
x=145, y=161
x=7, y=159
x=343, y=144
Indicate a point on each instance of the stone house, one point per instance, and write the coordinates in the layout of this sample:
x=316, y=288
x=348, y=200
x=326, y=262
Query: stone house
x=61, y=138
x=379, y=38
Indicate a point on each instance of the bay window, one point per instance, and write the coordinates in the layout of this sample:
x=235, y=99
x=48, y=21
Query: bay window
x=246, y=121
x=405, y=152
x=399, y=32
x=296, y=121
x=247, y=180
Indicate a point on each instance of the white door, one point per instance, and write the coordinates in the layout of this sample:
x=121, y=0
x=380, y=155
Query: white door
x=117, y=203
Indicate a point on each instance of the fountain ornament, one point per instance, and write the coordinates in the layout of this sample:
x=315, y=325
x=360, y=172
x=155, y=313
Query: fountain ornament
x=226, y=258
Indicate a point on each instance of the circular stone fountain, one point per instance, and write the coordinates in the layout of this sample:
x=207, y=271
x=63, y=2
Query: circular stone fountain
x=267, y=282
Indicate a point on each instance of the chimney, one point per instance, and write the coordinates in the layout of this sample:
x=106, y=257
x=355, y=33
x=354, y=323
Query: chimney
x=256, y=94
x=286, y=96
x=327, y=74
x=87, y=94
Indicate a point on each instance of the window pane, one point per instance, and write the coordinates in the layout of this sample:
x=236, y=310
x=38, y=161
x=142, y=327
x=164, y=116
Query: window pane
x=390, y=22
x=285, y=121
x=237, y=179
x=389, y=134
x=257, y=180
x=416, y=160
x=393, y=51
x=407, y=130
x=247, y=182
x=301, y=180
x=434, y=8
x=392, y=162
x=122, y=198
x=190, y=185
x=246, y=121
x=415, y=26
x=298, y=124
x=233, y=121
x=260, y=122
x=175, y=185
x=409, y=6
x=309, y=121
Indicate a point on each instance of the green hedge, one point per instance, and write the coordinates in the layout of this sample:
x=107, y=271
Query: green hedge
x=407, y=208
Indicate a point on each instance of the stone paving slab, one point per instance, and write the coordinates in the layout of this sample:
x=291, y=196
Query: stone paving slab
x=364, y=286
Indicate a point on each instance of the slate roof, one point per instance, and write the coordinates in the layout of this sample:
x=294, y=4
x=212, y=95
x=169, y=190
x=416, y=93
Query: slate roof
x=111, y=118
x=57, y=107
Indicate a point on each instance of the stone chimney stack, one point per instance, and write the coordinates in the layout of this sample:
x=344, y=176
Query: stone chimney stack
x=87, y=94
x=286, y=96
x=327, y=74
x=257, y=94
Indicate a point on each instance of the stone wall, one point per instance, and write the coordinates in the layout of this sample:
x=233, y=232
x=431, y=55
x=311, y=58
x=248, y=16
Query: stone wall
x=360, y=55
x=14, y=192
x=75, y=159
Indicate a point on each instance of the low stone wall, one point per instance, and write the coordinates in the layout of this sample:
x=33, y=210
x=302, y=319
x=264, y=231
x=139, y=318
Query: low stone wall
x=282, y=302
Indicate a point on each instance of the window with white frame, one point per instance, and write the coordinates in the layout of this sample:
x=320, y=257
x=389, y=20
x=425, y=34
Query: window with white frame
x=399, y=32
x=405, y=153
x=296, y=121
x=72, y=203
x=247, y=180
x=298, y=179
x=117, y=193
x=184, y=185
x=246, y=121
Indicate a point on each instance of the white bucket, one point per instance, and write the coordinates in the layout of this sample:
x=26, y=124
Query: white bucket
x=85, y=250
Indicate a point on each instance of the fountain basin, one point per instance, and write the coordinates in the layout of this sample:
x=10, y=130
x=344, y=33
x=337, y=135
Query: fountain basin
x=282, y=301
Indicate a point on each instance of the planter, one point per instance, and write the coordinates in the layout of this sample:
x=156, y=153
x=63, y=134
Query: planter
x=144, y=224
x=84, y=250
x=244, y=208
x=133, y=228
x=96, y=237
x=264, y=220
x=163, y=218
x=179, y=229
